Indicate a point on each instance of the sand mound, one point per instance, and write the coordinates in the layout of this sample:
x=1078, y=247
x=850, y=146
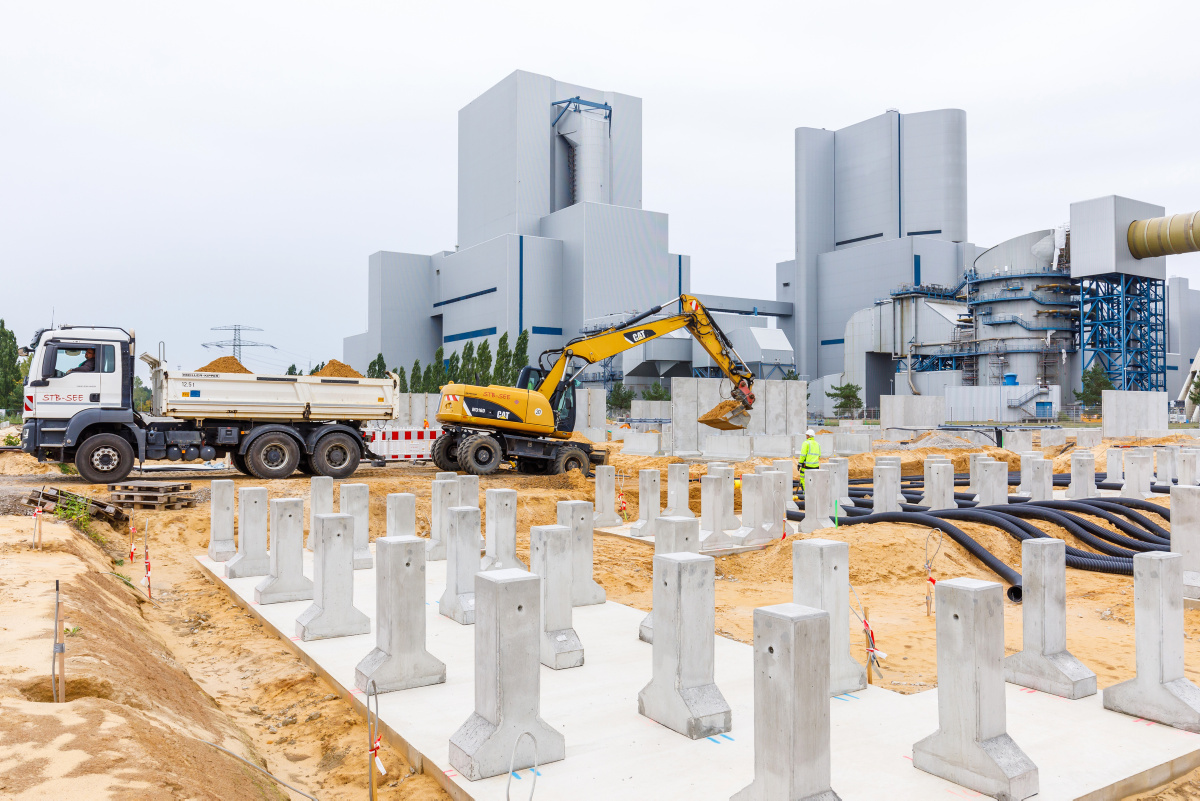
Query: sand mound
x=225, y=364
x=335, y=369
x=17, y=463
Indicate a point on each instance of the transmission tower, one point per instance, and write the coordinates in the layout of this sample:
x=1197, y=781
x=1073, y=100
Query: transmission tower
x=237, y=343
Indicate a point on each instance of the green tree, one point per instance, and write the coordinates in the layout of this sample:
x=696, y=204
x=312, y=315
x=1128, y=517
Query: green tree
x=656, y=392
x=620, y=397
x=377, y=368
x=520, y=357
x=429, y=381
x=141, y=395
x=501, y=373
x=791, y=375
x=439, y=371
x=292, y=370
x=416, y=382
x=1095, y=381
x=467, y=366
x=846, y=396
x=401, y=379
x=10, y=371
x=483, y=363
x=317, y=369
x=453, y=370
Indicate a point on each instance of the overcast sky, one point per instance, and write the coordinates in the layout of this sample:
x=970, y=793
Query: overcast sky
x=172, y=167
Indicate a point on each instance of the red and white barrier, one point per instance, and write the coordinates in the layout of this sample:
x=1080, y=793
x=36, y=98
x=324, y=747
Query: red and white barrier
x=402, y=444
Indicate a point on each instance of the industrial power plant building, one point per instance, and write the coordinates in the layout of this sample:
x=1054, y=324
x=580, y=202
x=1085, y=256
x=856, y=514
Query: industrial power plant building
x=885, y=291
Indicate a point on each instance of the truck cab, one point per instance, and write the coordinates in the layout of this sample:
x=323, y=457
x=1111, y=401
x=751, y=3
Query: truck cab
x=79, y=394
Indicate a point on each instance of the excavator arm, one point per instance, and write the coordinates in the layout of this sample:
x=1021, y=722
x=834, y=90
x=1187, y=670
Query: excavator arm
x=638, y=330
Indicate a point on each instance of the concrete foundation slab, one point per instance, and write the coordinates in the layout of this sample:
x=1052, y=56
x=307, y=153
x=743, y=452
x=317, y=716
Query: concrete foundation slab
x=251, y=558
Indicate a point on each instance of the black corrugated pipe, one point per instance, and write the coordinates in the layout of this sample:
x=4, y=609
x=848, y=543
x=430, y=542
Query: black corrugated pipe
x=1084, y=530
x=957, y=534
x=1132, y=516
x=1134, y=503
x=1123, y=525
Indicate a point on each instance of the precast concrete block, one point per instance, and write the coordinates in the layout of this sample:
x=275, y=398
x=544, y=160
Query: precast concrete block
x=1018, y=441
x=402, y=515
x=839, y=467
x=251, y=558
x=791, y=706
x=445, y=475
x=776, y=489
x=821, y=579
x=1185, y=535
x=885, y=488
x=972, y=747
x=649, y=503
x=1044, y=663
x=1165, y=463
x=713, y=533
x=647, y=444
x=1159, y=692
x=684, y=427
x=332, y=613
x=771, y=445
x=286, y=580
x=462, y=563
x=1087, y=438
x=550, y=556
x=973, y=462
x=1189, y=468
x=725, y=446
x=993, y=484
x=682, y=694
x=1041, y=480
x=355, y=500
x=818, y=501
x=500, y=544
x=675, y=535
x=726, y=474
x=1138, y=470
x=493, y=739
x=399, y=660
x=1113, y=459
x=849, y=443
x=1054, y=437
x=894, y=461
x=753, y=513
x=788, y=467
x=577, y=516
x=773, y=398
x=1027, y=459
x=678, y=489
x=1124, y=413
x=468, y=490
x=443, y=497
x=1083, y=476
x=939, y=487
x=606, y=496
x=221, y=547
x=797, y=406
x=320, y=501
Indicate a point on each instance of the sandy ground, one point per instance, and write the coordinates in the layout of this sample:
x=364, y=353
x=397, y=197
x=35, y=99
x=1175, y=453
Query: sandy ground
x=273, y=708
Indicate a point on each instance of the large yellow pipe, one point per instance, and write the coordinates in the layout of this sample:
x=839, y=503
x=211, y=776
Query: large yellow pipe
x=1164, y=236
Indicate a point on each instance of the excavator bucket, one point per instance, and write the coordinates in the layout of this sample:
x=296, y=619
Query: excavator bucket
x=729, y=415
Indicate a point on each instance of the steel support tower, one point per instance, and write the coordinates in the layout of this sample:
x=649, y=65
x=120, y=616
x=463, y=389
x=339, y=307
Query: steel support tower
x=1122, y=322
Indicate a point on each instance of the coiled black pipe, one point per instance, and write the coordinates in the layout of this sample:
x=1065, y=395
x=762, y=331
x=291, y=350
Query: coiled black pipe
x=1132, y=516
x=1083, y=530
x=992, y=563
x=1134, y=503
x=1153, y=541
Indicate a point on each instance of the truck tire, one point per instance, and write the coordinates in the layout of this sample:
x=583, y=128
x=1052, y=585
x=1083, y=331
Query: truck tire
x=570, y=458
x=239, y=462
x=336, y=455
x=480, y=454
x=104, y=458
x=444, y=453
x=272, y=455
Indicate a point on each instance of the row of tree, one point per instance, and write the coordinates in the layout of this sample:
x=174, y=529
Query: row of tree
x=471, y=365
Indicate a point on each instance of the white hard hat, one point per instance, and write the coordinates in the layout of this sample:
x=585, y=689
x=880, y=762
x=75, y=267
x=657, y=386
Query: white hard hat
x=809, y=433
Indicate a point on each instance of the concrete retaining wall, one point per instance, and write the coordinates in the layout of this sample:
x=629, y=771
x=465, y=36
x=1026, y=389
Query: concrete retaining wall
x=637, y=444
x=779, y=409
x=1126, y=412
x=735, y=449
x=921, y=411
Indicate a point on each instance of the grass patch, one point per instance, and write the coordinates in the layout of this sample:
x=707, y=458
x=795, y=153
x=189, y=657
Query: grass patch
x=74, y=511
x=67, y=469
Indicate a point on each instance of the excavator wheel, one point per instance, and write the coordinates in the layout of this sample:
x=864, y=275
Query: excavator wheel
x=480, y=454
x=444, y=453
x=570, y=458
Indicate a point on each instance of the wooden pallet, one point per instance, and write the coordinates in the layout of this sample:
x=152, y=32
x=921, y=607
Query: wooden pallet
x=48, y=499
x=180, y=503
x=151, y=486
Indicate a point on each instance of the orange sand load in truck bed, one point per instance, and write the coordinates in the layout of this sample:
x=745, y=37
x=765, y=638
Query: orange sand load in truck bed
x=336, y=369
x=225, y=364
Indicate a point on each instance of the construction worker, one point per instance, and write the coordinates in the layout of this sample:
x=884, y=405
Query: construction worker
x=810, y=455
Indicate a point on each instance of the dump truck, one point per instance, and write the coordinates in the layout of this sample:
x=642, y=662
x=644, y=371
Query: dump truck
x=530, y=425
x=78, y=408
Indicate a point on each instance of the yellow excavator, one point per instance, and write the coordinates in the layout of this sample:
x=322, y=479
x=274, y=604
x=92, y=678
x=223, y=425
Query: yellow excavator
x=530, y=424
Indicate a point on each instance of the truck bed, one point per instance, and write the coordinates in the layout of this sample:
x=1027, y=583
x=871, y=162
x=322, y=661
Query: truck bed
x=245, y=396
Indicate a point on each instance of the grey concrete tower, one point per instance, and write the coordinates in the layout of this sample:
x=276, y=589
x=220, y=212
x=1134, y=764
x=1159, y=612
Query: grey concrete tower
x=888, y=178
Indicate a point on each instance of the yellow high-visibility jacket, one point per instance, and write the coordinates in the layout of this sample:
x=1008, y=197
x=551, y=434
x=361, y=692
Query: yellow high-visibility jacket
x=810, y=454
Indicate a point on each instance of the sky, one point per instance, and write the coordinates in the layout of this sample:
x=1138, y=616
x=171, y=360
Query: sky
x=171, y=167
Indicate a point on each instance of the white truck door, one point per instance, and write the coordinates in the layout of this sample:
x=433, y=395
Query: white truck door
x=108, y=363
x=72, y=380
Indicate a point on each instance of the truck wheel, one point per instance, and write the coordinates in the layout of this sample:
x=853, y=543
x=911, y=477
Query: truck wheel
x=445, y=453
x=571, y=458
x=239, y=462
x=104, y=458
x=336, y=455
x=480, y=455
x=273, y=455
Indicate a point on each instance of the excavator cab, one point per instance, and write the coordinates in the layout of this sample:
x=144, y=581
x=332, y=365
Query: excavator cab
x=530, y=378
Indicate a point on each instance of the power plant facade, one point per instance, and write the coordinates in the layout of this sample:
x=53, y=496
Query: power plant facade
x=885, y=289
